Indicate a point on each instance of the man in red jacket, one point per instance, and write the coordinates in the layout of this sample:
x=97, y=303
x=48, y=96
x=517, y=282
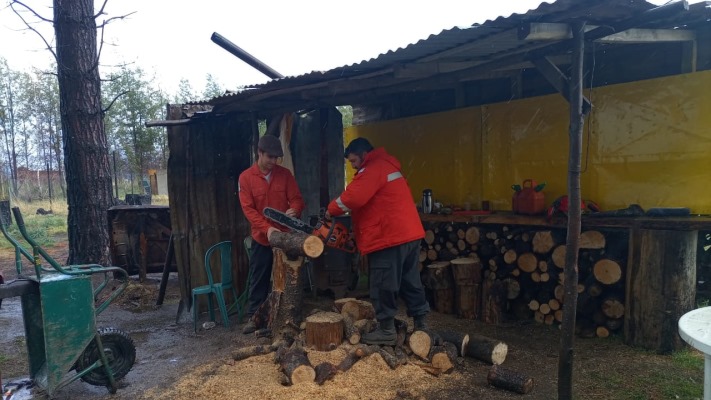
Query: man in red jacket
x=265, y=184
x=387, y=228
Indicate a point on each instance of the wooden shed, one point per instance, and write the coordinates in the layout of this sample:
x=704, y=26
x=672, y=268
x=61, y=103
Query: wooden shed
x=471, y=111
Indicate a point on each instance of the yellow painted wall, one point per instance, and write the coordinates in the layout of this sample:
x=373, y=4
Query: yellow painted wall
x=646, y=142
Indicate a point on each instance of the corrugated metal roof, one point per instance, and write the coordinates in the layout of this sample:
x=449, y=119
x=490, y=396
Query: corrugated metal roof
x=477, y=44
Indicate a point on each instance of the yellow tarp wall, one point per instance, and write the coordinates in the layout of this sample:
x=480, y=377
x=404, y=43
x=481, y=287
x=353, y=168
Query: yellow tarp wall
x=646, y=142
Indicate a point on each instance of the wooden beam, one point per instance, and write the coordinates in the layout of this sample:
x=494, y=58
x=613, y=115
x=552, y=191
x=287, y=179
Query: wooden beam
x=559, y=81
x=540, y=31
x=420, y=70
x=689, y=56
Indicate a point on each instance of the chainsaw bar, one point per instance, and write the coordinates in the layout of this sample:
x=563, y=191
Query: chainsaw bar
x=289, y=222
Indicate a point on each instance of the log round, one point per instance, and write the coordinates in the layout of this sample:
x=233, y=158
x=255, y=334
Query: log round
x=527, y=262
x=472, y=235
x=607, y=271
x=592, y=240
x=558, y=256
x=324, y=331
x=296, y=244
x=543, y=242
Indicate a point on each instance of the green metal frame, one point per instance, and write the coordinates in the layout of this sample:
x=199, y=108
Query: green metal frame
x=48, y=324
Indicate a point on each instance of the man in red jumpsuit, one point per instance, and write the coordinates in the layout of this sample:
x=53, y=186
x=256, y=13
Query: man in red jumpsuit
x=265, y=184
x=388, y=230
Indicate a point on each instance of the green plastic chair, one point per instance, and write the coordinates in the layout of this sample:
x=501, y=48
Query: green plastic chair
x=218, y=288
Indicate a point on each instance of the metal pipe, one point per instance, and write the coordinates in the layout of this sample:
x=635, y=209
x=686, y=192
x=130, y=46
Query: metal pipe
x=244, y=56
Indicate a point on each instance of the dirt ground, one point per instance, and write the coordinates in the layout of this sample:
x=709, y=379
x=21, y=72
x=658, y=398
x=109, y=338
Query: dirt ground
x=175, y=363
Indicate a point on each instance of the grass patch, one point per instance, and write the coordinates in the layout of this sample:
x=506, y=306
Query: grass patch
x=44, y=229
x=675, y=376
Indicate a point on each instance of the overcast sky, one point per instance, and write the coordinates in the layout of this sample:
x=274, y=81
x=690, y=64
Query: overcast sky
x=171, y=38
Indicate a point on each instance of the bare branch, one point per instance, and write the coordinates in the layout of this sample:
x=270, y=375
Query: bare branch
x=30, y=10
x=101, y=10
x=106, y=22
x=49, y=47
x=105, y=110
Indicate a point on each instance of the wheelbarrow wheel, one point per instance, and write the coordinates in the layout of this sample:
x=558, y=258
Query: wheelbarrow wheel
x=120, y=352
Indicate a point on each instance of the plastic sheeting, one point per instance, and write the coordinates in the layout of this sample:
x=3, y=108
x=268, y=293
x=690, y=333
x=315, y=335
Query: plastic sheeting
x=646, y=142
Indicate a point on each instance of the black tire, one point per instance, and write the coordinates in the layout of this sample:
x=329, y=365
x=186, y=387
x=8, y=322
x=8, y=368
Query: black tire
x=120, y=351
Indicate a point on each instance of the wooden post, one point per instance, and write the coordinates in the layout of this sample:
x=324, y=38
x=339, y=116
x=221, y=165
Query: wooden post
x=661, y=287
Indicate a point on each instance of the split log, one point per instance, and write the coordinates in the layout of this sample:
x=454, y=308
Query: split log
x=391, y=358
x=350, y=332
x=527, y=262
x=421, y=343
x=429, y=369
x=324, y=331
x=358, y=309
x=295, y=244
x=543, y=242
x=338, y=304
x=432, y=255
x=296, y=366
x=558, y=256
x=458, y=339
x=509, y=379
x=607, y=272
x=423, y=255
x=364, y=326
x=325, y=371
x=466, y=271
x=592, y=240
x=486, y=349
x=472, y=235
x=354, y=355
x=440, y=359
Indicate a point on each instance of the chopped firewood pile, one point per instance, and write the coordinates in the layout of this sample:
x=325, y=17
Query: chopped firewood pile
x=435, y=352
x=280, y=318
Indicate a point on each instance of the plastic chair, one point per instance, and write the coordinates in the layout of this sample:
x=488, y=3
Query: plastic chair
x=218, y=288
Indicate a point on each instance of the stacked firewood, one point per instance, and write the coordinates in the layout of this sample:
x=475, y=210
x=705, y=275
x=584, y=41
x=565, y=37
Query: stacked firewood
x=521, y=272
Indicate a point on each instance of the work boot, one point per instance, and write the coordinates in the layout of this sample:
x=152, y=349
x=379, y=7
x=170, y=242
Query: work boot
x=420, y=324
x=384, y=335
x=249, y=327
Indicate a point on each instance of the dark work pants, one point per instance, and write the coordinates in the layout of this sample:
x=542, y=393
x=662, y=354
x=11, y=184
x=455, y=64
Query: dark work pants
x=260, y=266
x=394, y=271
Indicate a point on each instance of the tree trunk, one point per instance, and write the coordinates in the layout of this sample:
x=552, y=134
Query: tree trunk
x=577, y=120
x=295, y=244
x=86, y=156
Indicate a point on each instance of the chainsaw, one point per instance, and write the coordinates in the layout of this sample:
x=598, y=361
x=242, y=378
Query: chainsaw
x=333, y=234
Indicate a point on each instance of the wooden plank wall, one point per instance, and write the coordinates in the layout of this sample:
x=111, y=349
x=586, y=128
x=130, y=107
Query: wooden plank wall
x=205, y=161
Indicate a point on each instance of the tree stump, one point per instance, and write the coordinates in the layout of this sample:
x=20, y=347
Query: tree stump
x=324, y=331
x=466, y=271
x=467, y=301
x=440, y=280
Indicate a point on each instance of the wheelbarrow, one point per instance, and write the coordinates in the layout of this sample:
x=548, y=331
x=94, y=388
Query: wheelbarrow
x=59, y=309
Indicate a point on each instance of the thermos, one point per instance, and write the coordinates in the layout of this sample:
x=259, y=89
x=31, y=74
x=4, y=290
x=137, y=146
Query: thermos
x=427, y=201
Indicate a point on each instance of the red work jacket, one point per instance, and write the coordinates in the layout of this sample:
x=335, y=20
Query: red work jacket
x=381, y=205
x=255, y=192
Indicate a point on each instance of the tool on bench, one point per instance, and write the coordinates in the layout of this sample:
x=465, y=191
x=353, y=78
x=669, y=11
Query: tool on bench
x=334, y=234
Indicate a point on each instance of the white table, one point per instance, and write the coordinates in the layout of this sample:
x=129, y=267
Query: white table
x=695, y=329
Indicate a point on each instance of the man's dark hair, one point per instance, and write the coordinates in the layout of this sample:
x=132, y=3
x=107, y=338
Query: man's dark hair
x=358, y=146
